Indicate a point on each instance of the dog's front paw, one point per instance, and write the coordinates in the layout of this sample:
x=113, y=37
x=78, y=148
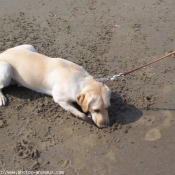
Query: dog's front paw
x=82, y=116
x=86, y=118
x=3, y=100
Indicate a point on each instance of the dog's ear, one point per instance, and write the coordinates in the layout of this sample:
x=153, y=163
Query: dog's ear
x=83, y=102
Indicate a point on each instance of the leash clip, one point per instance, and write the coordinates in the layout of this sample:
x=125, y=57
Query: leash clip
x=116, y=76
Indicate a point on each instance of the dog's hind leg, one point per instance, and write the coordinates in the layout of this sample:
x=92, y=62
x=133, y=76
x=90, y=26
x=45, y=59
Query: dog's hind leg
x=5, y=79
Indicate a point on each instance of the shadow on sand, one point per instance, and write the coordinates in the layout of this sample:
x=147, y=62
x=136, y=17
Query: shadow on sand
x=122, y=112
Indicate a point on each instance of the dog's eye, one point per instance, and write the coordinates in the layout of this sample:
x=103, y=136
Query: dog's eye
x=96, y=110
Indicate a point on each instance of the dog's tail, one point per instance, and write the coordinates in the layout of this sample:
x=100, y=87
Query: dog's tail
x=26, y=46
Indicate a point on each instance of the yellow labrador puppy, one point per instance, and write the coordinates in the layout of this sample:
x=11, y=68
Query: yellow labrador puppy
x=65, y=81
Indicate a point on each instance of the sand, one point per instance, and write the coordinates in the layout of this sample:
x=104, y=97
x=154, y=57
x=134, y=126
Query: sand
x=106, y=38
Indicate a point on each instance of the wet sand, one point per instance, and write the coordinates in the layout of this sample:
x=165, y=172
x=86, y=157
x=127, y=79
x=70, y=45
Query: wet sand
x=106, y=38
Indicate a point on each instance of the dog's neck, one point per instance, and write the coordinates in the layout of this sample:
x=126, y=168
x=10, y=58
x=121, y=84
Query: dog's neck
x=89, y=84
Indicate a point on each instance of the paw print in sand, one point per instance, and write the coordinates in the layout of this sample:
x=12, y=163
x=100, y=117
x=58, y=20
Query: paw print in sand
x=26, y=150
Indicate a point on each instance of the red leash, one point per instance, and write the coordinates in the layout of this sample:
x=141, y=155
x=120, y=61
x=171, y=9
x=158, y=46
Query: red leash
x=161, y=58
x=128, y=72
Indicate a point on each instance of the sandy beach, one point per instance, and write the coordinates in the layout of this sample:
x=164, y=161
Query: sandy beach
x=106, y=38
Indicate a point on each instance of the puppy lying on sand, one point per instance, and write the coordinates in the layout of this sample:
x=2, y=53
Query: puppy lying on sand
x=65, y=81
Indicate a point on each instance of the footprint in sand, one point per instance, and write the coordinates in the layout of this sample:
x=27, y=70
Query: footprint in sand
x=168, y=88
x=153, y=134
x=168, y=120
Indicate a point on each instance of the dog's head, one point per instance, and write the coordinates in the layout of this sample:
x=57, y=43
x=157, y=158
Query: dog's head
x=95, y=99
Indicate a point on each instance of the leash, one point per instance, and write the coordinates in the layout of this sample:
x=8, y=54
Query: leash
x=130, y=71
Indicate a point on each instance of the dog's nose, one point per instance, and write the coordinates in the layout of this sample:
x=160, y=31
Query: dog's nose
x=103, y=125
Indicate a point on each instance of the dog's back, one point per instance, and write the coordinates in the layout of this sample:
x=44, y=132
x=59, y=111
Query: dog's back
x=26, y=46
